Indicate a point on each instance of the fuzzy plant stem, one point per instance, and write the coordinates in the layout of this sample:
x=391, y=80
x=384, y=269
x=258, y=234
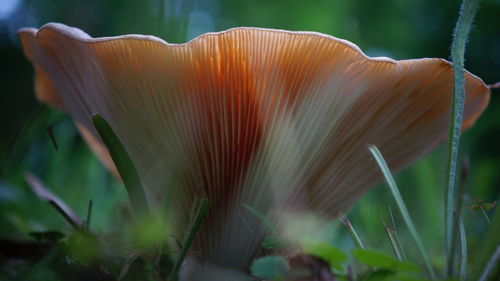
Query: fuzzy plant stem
x=462, y=30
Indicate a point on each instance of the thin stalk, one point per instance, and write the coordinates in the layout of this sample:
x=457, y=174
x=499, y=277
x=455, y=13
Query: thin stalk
x=463, y=249
x=459, y=206
x=396, y=236
x=402, y=207
x=489, y=242
x=126, y=265
x=394, y=244
x=38, y=187
x=201, y=211
x=485, y=215
x=265, y=221
x=491, y=264
x=89, y=214
x=50, y=131
x=352, y=232
x=462, y=30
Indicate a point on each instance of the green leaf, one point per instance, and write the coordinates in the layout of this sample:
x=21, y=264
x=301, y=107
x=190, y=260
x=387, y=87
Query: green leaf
x=269, y=267
x=379, y=260
x=334, y=256
x=125, y=166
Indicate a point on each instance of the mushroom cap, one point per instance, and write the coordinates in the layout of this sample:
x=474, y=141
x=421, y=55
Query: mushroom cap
x=276, y=120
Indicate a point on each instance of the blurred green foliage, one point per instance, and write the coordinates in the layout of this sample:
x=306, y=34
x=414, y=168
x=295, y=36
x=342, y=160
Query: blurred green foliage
x=401, y=29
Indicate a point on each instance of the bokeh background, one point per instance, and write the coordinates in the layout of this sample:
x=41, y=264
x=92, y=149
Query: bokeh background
x=400, y=29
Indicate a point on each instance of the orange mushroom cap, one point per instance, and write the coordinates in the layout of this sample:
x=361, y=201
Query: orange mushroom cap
x=273, y=119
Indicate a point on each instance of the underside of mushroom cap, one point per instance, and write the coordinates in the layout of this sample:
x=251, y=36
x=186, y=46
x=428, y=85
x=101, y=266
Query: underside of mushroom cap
x=272, y=119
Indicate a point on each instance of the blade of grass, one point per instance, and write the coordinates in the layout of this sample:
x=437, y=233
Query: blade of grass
x=265, y=221
x=46, y=195
x=485, y=215
x=463, y=249
x=394, y=244
x=396, y=236
x=461, y=33
x=201, y=210
x=89, y=214
x=402, y=207
x=456, y=235
x=352, y=232
x=491, y=264
x=126, y=265
x=489, y=242
x=124, y=164
x=50, y=131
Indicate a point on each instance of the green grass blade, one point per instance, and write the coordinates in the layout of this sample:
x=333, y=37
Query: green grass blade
x=394, y=243
x=50, y=131
x=460, y=196
x=485, y=215
x=89, y=214
x=46, y=195
x=396, y=236
x=352, y=232
x=488, y=245
x=463, y=249
x=462, y=30
x=491, y=264
x=265, y=221
x=201, y=210
x=125, y=167
x=402, y=207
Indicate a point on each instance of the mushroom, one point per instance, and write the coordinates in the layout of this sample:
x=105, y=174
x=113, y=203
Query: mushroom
x=272, y=119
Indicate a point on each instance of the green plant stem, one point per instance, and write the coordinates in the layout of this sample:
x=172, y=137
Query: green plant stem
x=458, y=212
x=491, y=264
x=462, y=30
x=463, y=248
x=201, y=211
x=89, y=214
x=352, y=232
x=38, y=187
x=485, y=215
x=489, y=242
x=402, y=207
x=394, y=243
x=399, y=244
